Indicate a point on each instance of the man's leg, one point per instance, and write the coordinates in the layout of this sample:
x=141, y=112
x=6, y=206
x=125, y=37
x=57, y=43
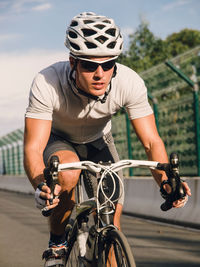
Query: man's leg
x=67, y=181
x=117, y=215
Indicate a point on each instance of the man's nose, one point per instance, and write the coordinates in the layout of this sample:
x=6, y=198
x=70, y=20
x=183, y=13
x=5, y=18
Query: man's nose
x=99, y=72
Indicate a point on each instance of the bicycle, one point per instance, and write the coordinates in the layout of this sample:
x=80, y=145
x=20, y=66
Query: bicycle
x=102, y=244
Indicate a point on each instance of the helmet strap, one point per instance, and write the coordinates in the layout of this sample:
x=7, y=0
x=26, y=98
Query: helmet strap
x=93, y=97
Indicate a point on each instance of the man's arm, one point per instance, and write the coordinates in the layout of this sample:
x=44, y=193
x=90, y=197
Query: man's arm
x=36, y=136
x=146, y=131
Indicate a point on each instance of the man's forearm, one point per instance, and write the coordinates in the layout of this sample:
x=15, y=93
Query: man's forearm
x=34, y=167
x=157, y=152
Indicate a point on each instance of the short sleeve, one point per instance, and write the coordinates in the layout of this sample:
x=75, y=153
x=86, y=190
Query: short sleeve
x=40, y=99
x=131, y=93
x=138, y=106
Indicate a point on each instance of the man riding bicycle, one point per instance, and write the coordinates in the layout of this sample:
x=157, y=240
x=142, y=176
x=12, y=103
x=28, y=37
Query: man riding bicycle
x=69, y=115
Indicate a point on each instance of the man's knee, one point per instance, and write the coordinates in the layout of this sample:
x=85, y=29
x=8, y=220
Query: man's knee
x=68, y=179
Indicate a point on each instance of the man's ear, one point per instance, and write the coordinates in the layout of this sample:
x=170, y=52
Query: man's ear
x=72, y=62
x=114, y=71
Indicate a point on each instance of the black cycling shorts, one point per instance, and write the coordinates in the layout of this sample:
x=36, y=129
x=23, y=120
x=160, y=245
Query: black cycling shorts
x=102, y=149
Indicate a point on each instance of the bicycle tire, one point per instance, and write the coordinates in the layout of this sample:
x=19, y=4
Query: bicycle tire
x=116, y=242
x=72, y=257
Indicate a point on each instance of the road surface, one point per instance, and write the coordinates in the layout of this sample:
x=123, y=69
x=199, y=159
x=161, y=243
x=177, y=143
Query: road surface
x=24, y=236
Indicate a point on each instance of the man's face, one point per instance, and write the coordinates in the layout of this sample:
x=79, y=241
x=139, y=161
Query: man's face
x=93, y=81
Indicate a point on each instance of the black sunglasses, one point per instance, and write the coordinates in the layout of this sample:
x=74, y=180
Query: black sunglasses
x=91, y=66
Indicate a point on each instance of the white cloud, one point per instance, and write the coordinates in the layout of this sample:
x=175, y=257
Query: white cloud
x=18, y=6
x=175, y=4
x=9, y=37
x=14, y=7
x=17, y=73
x=42, y=7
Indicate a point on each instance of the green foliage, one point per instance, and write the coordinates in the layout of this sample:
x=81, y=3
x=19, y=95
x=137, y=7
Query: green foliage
x=182, y=41
x=146, y=50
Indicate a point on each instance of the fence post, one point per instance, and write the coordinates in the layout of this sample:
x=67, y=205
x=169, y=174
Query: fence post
x=128, y=133
x=13, y=170
x=4, y=160
x=197, y=119
x=20, y=156
x=9, y=157
x=195, y=88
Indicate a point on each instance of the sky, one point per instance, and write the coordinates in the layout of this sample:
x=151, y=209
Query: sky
x=32, y=34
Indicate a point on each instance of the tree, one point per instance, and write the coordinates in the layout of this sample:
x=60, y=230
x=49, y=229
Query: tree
x=146, y=50
x=182, y=41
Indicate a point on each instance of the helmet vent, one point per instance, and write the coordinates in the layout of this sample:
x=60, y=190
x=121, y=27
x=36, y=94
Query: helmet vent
x=111, y=45
x=90, y=45
x=107, y=21
x=88, y=13
x=88, y=21
x=75, y=46
x=74, y=23
x=102, y=39
x=73, y=35
x=99, y=26
x=88, y=32
x=111, y=32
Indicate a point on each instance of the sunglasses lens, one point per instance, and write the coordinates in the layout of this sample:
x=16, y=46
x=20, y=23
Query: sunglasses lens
x=108, y=65
x=92, y=66
x=88, y=66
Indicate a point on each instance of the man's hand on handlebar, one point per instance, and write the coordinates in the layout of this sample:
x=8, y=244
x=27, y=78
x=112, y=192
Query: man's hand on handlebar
x=43, y=196
x=180, y=203
x=174, y=190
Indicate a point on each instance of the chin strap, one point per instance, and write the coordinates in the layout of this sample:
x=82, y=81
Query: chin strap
x=96, y=98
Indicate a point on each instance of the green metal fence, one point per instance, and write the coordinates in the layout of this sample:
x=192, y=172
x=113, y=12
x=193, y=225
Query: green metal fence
x=176, y=105
x=173, y=94
x=11, y=153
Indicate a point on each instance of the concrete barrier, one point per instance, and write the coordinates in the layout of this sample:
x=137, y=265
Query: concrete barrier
x=142, y=199
x=18, y=184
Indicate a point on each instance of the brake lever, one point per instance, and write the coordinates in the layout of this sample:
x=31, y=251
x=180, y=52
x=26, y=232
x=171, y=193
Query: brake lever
x=51, y=177
x=174, y=181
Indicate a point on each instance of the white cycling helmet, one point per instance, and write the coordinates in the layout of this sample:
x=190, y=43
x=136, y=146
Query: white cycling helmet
x=93, y=35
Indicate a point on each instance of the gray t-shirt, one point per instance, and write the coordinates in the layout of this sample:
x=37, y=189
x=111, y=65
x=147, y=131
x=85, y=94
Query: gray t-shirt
x=76, y=117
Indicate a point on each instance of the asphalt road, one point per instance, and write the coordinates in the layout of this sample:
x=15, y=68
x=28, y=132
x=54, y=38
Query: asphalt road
x=24, y=236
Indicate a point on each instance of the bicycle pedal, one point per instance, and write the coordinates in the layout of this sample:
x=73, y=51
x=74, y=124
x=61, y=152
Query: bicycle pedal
x=54, y=257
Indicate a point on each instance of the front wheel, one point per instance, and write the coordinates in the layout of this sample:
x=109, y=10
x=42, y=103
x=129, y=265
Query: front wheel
x=116, y=251
x=73, y=252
